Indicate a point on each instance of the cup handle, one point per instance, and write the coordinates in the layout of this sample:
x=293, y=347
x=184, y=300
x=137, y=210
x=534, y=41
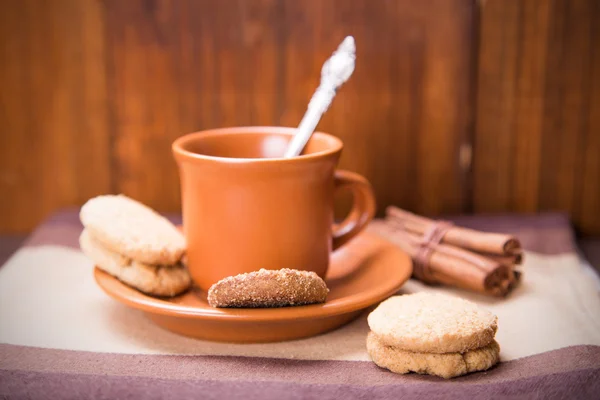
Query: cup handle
x=363, y=207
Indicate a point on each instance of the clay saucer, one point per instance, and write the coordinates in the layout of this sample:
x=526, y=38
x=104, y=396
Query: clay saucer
x=362, y=273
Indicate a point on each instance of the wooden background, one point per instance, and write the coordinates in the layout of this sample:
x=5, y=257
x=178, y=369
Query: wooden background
x=455, y=106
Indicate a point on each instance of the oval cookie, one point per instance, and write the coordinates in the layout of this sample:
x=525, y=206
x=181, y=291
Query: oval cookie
x=432, y=323
x=268, y=288
x=447, y=365
x=151, y=279
x=132, y=229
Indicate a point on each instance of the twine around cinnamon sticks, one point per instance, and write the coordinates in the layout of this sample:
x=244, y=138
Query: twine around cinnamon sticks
x=446, y=254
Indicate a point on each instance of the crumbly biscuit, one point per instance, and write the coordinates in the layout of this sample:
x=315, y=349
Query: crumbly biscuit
x=432, y=323
x=132, y=229
x=155, y=280
x=268, y=288
x=447, y=365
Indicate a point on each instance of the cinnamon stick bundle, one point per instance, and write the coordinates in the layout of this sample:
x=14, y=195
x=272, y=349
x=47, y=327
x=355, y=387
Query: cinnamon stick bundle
x=493, y=243
x=460, y=257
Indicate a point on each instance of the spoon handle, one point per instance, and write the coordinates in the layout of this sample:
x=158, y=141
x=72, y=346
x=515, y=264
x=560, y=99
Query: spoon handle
x=316, y=108
x=336, y=70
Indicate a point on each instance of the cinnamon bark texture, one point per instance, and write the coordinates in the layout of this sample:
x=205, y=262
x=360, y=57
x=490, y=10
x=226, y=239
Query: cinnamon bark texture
x=449, y=255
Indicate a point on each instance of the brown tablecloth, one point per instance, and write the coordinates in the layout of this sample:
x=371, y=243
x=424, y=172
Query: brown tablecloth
x=61, y=337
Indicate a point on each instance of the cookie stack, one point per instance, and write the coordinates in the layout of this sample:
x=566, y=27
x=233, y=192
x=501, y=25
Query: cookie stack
x=133, y=243
x=432, y=334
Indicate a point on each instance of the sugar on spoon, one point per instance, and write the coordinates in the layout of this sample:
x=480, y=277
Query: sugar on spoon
x=336, y=70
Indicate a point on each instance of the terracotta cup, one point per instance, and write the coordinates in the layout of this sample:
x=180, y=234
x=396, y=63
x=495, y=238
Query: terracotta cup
x=246, y=208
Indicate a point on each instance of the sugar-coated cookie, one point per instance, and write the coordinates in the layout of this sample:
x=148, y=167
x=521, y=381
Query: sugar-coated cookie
x=447, y=365
x=268, y=288
x=432, y=323
x=132, y=229
x=157, y=280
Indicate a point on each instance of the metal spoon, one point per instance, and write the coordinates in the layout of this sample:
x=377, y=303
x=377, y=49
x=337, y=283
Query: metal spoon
x=336, y=70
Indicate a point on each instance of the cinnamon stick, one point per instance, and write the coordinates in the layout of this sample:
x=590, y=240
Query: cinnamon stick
x=451, y=265
x=511, y=260
x=483, y=242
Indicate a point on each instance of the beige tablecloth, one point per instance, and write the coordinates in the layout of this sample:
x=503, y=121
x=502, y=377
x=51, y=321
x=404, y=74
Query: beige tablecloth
x=61, y=335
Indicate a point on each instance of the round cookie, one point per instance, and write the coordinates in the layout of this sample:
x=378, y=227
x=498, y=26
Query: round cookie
x=447, y=365
x=268, y=288
x=132, y=229
x=432, y=323
x=151, y=279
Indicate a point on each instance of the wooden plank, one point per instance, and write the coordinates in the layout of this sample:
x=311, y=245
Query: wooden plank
x=566, y=97
x=528, y=129
x=142, y=54
x=54, y=145
x=498, y=127
x=588, y=217
x=535, y=107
